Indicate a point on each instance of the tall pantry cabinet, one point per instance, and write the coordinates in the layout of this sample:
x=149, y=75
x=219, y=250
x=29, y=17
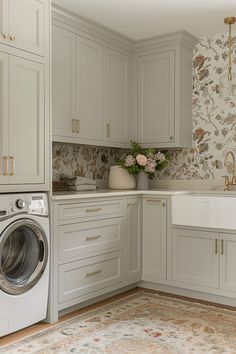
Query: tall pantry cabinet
x=24, y=95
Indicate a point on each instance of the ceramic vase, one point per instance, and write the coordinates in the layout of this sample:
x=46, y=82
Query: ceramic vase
x=142, y=181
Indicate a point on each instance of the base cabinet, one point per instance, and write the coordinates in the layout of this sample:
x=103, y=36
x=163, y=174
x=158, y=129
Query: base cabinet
x=204, y=258
x=96, y=249
x=154, y=239
x=133, y=238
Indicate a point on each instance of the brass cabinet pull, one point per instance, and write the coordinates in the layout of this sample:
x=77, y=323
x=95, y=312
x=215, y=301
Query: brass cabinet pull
x=93, y=210
x=93, y=273
x=5, y=158
x=77, y=125
x=73, y=125
x=108, y=130
x=159, y=201
x=12, y=165
x=216, y=248
x=171, y=137
x=4, y=36
x=12, y=38
x=93, y=238
x=222, y=247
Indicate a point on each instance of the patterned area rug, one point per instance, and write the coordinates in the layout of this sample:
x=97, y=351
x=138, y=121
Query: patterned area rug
x=140, y=323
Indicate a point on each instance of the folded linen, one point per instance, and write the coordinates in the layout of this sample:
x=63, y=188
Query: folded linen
x=82, y=187
x=75, y=181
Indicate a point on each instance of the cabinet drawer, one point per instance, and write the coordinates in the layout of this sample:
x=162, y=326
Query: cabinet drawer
x=88, y=275
x=89, y=210
x=88, y=238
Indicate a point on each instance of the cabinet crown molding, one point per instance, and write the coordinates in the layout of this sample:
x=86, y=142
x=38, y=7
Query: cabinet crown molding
x=82, y=24
x=182, y=37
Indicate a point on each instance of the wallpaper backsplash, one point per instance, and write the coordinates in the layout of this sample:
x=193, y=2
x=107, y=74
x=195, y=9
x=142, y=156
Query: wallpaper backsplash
x=214, y=126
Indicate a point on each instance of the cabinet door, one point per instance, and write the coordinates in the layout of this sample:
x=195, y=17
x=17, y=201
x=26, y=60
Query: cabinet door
x=26, y=26
x=89, y=89
x=195, y=257
x=116, y=96
x=227, y=261
x=154, y=239
x=63, y=82
x=3, y=21
x=3, y=117
x=133, y=238
x=156, y=98
x=26, y=121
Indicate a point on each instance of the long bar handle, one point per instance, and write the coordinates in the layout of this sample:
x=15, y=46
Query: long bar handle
x=93, y=210
x=73, y=125
x=159, y=201
x=93, y=238
x=12, y=165
x=6, y=172
x=108, y=130
x=93, y=273
x=216, y=247
x=77, y=125
x=222, y=247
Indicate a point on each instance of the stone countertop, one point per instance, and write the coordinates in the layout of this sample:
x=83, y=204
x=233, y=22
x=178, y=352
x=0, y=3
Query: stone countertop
x=115, y=193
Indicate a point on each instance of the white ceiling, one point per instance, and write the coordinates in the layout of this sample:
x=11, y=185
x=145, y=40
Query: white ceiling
x=138, y=19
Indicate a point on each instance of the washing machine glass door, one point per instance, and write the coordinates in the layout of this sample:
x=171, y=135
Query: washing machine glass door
x=23, y=256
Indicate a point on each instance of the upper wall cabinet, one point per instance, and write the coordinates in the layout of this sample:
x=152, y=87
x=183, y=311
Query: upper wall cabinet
x=77, y=80
x=22, y=24
x=164, y=90
x=116, y=96
x=89, y=83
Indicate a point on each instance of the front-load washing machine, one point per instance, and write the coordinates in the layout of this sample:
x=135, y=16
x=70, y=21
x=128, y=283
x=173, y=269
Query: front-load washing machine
x=24, y=260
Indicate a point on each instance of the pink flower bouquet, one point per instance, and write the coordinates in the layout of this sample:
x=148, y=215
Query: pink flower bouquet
x=144, y=160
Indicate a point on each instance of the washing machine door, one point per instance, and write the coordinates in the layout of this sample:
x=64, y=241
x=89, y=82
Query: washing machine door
x=23, y=256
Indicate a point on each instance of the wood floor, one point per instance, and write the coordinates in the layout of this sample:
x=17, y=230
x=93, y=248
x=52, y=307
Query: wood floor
x=11, y=338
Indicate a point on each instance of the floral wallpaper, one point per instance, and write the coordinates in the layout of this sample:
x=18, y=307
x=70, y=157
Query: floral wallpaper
x=214, y=114
x=214, y=125
x=83, y=160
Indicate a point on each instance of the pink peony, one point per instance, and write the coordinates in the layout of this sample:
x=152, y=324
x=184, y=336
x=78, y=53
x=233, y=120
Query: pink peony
x=129, y=161
x=160, y=156
x=141, y=160
x=151, y=166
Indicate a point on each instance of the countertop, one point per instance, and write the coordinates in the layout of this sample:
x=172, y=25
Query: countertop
x=115, y=193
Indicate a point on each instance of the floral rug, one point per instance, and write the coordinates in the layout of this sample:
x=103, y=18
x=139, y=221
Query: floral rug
x=140, y=323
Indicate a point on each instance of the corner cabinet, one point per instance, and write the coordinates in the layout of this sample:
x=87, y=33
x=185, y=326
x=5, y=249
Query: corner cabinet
x=89, y=90
x=154, y=239
x=22, y=24
x=116, y=96
x=133, y=231
x=164, y=90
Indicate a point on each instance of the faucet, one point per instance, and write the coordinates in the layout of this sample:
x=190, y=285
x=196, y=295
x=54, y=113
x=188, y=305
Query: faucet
x=230, y=182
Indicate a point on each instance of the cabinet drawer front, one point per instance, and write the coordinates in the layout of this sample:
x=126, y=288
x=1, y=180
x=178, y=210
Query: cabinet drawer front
x=88, y=238
x=89, y=211
x=83, y=277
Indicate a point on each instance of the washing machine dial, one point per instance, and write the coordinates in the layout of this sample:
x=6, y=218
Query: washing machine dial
x=20, y=203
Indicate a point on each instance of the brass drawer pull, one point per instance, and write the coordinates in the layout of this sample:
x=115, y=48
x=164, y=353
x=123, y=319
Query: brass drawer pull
x=92, y=238
x=93, y=210
x=12, y=38
x=93, y=273
x=73, y=125
x=159, y=201
x=6, y=172
x=12, y=165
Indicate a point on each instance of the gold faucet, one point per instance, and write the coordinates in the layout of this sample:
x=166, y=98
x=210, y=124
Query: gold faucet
x=230, y=181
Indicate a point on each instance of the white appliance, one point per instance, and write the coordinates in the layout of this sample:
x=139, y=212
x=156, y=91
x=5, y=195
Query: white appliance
x=24, y=260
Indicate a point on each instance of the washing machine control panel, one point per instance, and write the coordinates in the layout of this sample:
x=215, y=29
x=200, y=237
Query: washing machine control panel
x=28, y=203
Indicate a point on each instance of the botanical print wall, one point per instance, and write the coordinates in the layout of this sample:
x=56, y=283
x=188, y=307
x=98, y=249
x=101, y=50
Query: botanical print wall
x=214, y=114
x=214, y=125
x=82, y=160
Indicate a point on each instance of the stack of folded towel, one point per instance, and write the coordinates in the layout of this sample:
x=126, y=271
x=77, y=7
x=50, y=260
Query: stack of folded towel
x=79, y=184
